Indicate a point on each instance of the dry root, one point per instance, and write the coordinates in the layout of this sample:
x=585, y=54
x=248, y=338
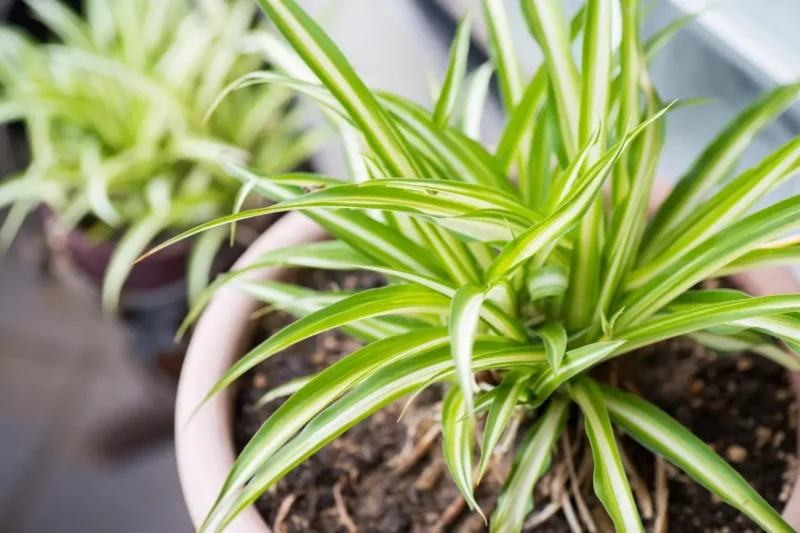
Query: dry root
x=410, y=455
x=341, y=508
x=429, y=475
x=450, y=514
x=639, y=487
x=283, y=513
x=662, y=496
x=583, y=509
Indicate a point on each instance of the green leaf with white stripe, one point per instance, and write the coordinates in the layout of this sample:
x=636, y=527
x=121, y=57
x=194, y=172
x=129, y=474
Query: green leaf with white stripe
x=282, y=391
x=335, y=255
x=390, y=300
x=554, y=337
x=628, y=91
x=458, y=429
x=475, y=101
x=547, y=23
x=503, y=403
x=629, y=218
x=373, y=238
x=583, y=290
x=377, y=195
x=316, y=395
x=547, y=281
x=663, y=435
x=532, y=461
x=610, y=481
x=522, y=115
x=300, y=301
x=328, y=63
x=567, y=214
x=131, y=246
x=462, y=158
x=575, y=362
x=724, y=208
x=701, y=317
x=456, y=69
x=784, y=326
x=464, y=318
x=201, y=263
x=709, y=257
x=382, y=387
x=503, y=53
x=783, y=252
x=715, y=163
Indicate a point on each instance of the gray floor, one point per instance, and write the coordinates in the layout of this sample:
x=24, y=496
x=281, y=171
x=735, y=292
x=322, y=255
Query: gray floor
x=64, y=374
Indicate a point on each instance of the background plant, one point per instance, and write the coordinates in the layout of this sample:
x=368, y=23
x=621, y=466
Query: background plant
x=114, y=112
x=509, y=260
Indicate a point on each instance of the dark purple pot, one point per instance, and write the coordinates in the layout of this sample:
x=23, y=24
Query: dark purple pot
x=162, y=269
x=91, y=258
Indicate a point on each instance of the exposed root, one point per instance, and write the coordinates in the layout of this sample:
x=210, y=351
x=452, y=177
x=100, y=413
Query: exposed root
x=540, y=517
x=283, y=513
x=583, y=509
x=428, y=477
x=662, y=496
x=639, y=487
x=569, y=514
x=403, y=462
x=450, y=514
x=555, y=490
x=558, y=487
x=341, y=508
x=412, y=424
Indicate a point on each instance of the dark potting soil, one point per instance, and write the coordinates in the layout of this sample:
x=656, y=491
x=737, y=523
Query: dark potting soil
x=743, y=406
x=389, y=477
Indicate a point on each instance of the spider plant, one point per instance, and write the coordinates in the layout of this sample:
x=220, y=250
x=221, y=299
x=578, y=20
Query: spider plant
x=114, y=112
x=511, y=260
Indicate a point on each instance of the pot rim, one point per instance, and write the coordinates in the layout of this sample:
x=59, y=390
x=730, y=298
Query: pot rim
x=223, y=334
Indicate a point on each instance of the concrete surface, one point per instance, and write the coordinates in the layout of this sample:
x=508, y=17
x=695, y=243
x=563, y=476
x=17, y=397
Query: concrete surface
x=64, y=374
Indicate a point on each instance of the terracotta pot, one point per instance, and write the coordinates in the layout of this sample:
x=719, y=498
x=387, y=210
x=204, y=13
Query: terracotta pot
x=205, y=443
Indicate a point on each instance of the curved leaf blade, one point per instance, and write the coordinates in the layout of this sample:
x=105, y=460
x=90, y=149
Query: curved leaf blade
x=554, y=336
x=715, y=162
x=381, y=388
x=610, y=481
x=456, y=69
x=530, y=464
x=503, y=402
x=393, y=299
x=663, y=435
x=457, y=433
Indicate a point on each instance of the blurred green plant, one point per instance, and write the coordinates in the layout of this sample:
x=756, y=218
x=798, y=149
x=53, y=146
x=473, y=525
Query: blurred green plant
x=115, y=113
x=511, y=261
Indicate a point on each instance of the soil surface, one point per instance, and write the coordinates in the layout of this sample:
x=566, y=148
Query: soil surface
x=742, y=406
x=389, y=477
